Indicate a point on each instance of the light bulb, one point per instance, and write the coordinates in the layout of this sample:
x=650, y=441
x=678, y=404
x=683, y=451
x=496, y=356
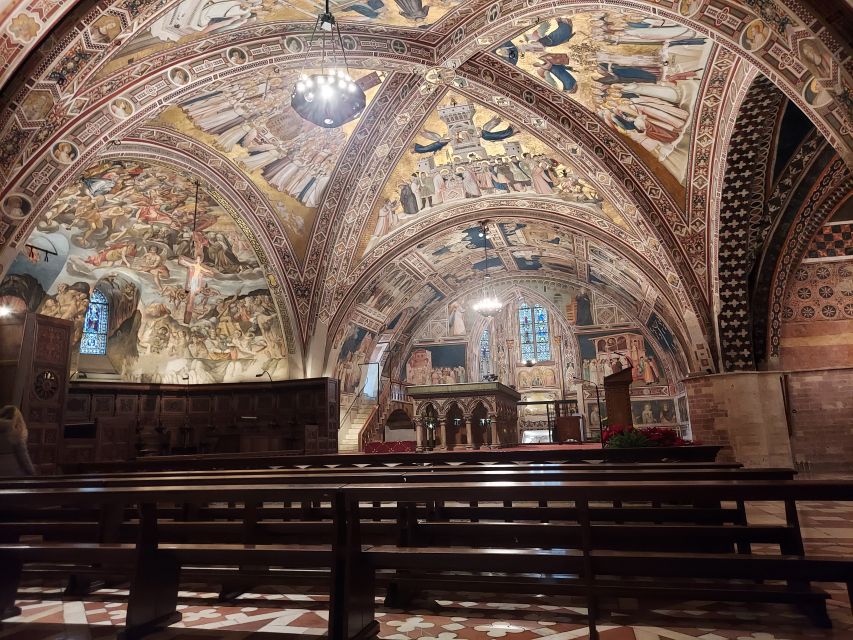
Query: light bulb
x=321, y=79
x=351, y=87
x=342, y=83
x=300, y=86
x=326, y=92
x=309, y=82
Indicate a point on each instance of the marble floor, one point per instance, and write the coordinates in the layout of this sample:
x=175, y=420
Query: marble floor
x=281, y=613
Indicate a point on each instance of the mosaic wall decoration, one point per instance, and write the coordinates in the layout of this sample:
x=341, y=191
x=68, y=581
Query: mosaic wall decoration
x=820, y=292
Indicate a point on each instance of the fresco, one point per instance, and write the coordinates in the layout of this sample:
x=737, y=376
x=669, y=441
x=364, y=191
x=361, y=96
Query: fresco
x=606, y=353
x=653, y=412
x=250, y=121
x=356, y=350
x=536, y=377
x=639, y=73
x=437, y=364
x=190, y=20
x=464, y=152
x=188, y=299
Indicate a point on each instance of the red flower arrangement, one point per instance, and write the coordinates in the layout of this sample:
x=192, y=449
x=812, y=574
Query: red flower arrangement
x=620, y=436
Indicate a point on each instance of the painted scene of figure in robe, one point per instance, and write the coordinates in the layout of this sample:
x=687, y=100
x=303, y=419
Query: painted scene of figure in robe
x=640, y=73
x=463, y=152
x=188, y=300
x=355, y=352
x=250, y=120
x=603, y=354
x=437, y=364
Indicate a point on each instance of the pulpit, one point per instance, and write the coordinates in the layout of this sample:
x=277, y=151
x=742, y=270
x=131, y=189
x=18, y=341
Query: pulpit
x=617, y=394
x=465, y=416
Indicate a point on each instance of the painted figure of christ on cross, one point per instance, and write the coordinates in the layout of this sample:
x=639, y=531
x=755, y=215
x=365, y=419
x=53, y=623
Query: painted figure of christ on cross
x=195, y=278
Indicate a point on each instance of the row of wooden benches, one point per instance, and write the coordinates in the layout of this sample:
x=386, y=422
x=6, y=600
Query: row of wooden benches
x=572, y=535
x=291, y=460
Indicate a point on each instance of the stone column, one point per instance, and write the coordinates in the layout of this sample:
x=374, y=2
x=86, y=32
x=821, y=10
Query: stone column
x=419, y=433
x=493, y=425
x=469, y=433
x=442, y=426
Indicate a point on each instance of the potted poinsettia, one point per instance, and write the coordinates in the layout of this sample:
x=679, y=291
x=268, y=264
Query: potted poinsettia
x=626, y=443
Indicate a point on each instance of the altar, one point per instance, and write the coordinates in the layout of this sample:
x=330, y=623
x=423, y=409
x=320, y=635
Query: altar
x=465, y=416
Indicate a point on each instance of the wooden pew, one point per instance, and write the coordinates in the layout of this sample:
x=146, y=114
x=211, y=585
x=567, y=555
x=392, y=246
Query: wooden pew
x=596, y=540
x=287, y=459
x=410, y=474
x=600, y=558
x=154, y=564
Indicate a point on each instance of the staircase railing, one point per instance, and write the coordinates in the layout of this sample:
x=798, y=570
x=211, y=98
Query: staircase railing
x=371, y=430
x=360, y=396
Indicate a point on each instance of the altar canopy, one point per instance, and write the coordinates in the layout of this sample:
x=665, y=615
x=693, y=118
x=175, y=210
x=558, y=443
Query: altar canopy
x=465, y=416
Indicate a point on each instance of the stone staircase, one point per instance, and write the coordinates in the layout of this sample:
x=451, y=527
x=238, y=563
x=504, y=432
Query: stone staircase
x=348, y=438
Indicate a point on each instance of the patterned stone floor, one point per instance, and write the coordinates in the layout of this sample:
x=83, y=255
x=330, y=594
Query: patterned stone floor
x=282, y=613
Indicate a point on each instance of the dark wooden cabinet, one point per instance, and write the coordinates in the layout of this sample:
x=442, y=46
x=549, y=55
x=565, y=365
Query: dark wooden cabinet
x=34, y=358
x=294, y=415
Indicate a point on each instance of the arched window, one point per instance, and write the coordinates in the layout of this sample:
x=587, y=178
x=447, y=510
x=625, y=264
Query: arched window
x=95, y=325
x=485, y=355
x=535, y=338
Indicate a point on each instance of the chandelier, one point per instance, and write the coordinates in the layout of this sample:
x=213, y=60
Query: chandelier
x=331, y=97
x=488, y=305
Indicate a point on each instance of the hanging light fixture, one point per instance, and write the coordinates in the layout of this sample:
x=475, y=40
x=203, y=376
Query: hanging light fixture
x=488, y=305
x=331, y=97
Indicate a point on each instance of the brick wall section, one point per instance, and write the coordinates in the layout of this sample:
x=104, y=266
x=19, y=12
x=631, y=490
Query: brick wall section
x=821, y=413
x=745, y=413
x=705, y=410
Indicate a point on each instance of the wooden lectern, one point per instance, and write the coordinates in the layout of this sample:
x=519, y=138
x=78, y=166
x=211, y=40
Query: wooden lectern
x=617, y=395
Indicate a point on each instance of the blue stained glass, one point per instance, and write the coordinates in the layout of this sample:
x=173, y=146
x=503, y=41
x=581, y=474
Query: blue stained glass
x=485, y=354
x=95, y=325
x=543, y=335
x=525, y=329
x=534, y=336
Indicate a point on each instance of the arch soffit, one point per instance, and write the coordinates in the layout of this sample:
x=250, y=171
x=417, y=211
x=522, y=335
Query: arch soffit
x=472, y=26
x=343, y=245
x=642, y=309
x=516, y=286
x=725, y=21
x=826, y=195
x=96, y=127
x=635, y=251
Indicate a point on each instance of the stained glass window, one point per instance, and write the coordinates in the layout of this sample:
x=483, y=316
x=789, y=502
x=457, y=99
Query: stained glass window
x=525, y=329
x=535, y=338
x=94, y=340
x=485, y=355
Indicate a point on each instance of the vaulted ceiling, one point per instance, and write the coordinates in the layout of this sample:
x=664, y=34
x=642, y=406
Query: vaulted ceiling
x=593, y=138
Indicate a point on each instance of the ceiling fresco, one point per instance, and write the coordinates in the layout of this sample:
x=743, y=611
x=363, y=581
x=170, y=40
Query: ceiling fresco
x=250, y=121
x=187, y=294
x=190, y=20
x=464, y=152
x=455, y=260
x=639, y=73
x=611, y=124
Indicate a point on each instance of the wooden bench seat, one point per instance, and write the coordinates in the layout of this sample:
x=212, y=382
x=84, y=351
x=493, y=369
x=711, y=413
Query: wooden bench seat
x=594, y=559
